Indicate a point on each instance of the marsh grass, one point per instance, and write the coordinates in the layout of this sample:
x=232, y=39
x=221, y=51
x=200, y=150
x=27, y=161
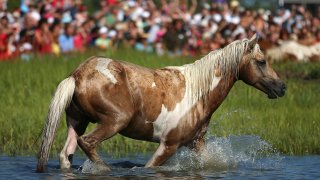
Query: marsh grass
x=291, y=124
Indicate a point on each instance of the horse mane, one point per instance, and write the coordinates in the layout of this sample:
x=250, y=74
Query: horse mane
x=226, y=59
x=200, y=75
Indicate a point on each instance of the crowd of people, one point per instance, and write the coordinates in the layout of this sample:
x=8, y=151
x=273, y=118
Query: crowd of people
x=163, y=27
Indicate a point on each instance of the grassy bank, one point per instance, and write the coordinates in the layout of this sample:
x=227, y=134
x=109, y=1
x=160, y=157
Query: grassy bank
x=291, y=124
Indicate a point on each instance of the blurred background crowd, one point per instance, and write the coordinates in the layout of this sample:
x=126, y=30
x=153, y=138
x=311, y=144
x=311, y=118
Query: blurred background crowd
x=179, y=27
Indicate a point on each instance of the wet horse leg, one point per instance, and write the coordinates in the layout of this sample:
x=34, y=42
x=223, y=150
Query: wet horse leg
x=197, y=145
x=107, y=127
x=68, y=149
x=75, y=128
x=163, y=153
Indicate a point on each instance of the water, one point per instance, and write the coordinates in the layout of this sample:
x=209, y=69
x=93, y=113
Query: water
x=239, y=157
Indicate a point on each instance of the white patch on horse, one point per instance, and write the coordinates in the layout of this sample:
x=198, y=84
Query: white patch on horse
x=214, y=83
x=102, y=67
x=168, y=120
x=153, y=84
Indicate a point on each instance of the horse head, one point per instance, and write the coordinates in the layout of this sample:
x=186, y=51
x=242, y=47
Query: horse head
x=257, y=72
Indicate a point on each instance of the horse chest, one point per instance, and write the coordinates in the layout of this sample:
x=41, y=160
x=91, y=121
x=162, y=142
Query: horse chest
x=172, y=121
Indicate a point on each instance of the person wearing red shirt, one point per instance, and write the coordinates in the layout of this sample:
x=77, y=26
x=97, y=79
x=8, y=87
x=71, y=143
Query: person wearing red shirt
x=4, y=53
x=43, y=38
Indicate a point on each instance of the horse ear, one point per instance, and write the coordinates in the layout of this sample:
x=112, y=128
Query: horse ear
x=253, y=41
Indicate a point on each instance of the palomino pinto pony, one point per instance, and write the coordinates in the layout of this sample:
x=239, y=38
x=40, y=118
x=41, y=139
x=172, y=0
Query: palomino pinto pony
x=171, y=106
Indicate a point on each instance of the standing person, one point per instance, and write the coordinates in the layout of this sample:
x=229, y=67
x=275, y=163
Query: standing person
x=66, y=39
x=175, y=37
x=131, y=34
x=79, y=39
x=55, y=30
x=103, y=42
x=88, y=27
x=43, y=38
x=4, y=53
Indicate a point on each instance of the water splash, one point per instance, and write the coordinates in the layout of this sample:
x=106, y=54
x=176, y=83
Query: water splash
x=219, y=154
x=90, y=167
x=227, y=153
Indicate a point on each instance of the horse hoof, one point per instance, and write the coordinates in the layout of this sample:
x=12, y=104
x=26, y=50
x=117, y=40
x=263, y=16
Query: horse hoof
x=64, y=162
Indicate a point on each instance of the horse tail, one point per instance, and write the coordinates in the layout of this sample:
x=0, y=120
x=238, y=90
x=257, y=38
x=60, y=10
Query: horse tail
x=59, y=103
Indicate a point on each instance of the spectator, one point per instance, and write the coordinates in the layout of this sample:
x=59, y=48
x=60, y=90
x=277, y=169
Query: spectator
x=170, y=26
x=43, y=38
x=175, y=37
x=55, y=31
x=66, y=39
x=80, y=39
x=4, y=54
x=103, y=42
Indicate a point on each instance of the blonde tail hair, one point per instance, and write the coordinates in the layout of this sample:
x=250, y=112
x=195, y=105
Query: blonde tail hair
x=59, y=103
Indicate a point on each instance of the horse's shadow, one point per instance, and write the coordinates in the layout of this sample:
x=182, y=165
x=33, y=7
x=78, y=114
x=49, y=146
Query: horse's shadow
x=126, y=164
x=123, y=164
x=116, y=165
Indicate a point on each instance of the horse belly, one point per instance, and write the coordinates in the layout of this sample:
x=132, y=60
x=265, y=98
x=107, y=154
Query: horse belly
x=139, y=129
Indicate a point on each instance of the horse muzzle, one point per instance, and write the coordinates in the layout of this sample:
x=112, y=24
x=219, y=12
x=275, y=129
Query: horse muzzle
x=276, y=90
x=273, y=88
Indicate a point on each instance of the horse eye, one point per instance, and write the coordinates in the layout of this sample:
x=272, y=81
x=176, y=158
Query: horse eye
x=261, y=62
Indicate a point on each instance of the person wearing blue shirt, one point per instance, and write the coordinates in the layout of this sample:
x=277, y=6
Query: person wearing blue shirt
x=66, y=39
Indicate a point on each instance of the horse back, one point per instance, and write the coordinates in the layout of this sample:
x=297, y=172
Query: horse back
x=141, y=91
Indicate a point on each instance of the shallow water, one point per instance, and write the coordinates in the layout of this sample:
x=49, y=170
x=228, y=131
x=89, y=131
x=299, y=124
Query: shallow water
x=240, y=157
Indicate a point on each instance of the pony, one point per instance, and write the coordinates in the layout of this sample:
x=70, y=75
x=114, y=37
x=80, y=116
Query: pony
x=171, y=106
x=294, y=51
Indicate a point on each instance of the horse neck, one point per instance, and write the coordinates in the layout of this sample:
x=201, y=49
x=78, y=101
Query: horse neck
x=203, y=80
x=216, y=96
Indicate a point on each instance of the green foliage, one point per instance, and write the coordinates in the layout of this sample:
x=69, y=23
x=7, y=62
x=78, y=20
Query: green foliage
x=13, y=4
x=291, y=124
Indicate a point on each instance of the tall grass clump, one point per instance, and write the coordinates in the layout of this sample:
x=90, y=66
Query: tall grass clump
x=291, y=124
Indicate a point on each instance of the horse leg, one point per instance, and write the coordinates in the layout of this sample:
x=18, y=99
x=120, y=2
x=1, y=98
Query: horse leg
x=197, y=145
x=163, y=153
x=77, y=125
x=106, y=128
x=68, y=149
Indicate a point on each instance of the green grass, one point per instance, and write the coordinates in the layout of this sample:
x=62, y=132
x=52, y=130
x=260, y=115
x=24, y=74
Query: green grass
x=291, y=124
